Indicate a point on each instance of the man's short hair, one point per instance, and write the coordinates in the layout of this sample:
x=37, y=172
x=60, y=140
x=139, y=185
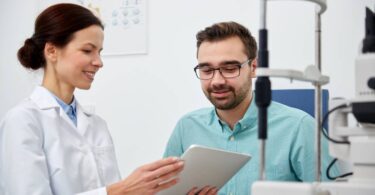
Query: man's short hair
x=224, y=30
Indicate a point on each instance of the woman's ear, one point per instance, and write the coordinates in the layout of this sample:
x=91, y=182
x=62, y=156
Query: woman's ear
x=50, y=52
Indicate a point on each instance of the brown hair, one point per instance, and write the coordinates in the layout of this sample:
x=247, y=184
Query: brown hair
x=56, y=25
x=224, y=30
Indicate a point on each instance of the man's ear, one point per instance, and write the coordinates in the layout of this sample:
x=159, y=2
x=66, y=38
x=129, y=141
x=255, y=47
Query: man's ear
x=50, y=52
x=253, y=66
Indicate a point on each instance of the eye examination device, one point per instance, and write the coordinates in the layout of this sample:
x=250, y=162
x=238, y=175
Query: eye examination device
x=351, y=121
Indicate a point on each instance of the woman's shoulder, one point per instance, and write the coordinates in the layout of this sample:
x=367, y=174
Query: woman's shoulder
x=21, y=119
x=25, y=108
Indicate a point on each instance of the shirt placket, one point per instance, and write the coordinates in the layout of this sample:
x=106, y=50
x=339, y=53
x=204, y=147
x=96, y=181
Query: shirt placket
x=71, y=114
x=231, y=146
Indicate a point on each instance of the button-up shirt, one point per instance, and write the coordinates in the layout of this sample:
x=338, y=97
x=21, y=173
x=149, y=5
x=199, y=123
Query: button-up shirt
x=69, y=109
x=289, y=147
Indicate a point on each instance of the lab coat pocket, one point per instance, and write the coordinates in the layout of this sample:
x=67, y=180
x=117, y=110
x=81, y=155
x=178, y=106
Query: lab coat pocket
x=106, y=164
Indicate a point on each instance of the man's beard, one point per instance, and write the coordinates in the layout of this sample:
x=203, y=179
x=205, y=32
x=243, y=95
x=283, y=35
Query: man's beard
x=234, y=98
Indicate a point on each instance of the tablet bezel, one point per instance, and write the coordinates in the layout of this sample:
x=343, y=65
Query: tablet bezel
x=207, y=166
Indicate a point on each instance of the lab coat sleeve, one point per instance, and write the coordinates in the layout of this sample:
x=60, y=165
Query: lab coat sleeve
x=23, y=167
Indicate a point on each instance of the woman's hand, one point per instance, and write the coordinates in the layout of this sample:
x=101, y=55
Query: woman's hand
x=149, y=179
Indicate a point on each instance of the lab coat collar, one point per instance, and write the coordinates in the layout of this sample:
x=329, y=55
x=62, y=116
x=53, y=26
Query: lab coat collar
x=45, y=100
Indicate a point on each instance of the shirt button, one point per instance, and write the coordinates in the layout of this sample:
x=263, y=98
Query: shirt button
x=231, y=138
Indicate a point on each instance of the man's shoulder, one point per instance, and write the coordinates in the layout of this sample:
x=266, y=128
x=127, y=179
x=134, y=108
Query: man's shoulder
x=282, y=110
x=297, y=122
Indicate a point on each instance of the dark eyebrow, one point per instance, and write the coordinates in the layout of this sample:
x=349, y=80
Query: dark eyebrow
x=94, y=46
x=231, y=62
x=203, y=64
x=90, y=44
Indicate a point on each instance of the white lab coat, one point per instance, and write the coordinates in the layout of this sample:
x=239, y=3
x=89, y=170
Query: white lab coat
x=42, y=152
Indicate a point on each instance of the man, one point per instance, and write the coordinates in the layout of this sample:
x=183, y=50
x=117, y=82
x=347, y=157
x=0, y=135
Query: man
x=226, y=54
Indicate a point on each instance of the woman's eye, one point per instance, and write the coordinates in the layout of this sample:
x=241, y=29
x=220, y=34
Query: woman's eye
x=86, y=50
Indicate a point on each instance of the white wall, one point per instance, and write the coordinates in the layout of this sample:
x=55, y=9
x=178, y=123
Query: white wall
x=143, y=96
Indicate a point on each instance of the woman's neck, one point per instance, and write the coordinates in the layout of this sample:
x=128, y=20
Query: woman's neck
x=60, y=90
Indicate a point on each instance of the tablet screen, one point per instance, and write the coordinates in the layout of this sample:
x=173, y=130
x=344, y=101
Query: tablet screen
x=206, y=166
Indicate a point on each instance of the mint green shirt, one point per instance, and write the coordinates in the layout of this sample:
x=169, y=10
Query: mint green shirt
x=289, y=148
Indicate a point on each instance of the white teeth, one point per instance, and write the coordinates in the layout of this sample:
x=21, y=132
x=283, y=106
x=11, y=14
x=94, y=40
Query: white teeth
x=90, y=74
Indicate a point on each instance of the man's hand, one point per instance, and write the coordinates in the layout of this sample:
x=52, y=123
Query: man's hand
x=204, y=191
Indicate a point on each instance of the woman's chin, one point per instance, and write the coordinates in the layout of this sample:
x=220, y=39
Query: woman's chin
x=84, y=87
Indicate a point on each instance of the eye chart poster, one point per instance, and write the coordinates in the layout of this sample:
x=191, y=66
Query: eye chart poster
x=125, y=22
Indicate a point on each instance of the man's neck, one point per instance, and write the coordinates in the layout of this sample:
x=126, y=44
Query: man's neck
x=232, y=116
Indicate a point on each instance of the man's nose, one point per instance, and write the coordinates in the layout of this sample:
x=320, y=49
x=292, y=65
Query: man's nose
x=217, y=78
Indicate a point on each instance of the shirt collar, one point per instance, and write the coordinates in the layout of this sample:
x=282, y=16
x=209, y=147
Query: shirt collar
x=44, y=99
x=49, y=101
x=249, y=119
x=65, y=106
x=251, y=115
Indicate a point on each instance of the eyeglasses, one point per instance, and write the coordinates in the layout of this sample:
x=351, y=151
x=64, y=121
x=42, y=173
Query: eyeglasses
x=228, y=71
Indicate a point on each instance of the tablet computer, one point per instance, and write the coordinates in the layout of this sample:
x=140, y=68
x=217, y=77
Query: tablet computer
x=206, y=166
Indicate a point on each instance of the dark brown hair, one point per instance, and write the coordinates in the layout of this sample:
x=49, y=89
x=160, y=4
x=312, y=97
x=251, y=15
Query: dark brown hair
x=56, y=25
x=224, y=30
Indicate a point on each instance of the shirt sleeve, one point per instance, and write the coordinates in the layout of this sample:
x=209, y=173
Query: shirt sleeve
x=23, y=168
x=303, y=152
x=174, y=146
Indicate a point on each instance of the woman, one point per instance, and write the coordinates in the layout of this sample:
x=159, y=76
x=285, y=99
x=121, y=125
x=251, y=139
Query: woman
x=49, y=144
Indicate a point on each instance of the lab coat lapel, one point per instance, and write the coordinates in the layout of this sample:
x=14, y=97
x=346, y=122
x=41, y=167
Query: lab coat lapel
x=83, y=119
x=44, y=100
x=66, y=118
